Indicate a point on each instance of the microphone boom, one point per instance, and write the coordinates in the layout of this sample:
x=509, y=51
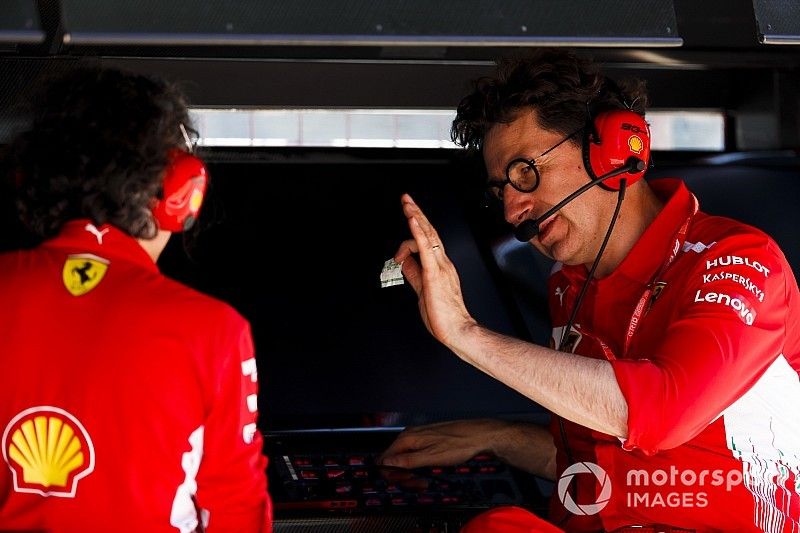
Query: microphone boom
x=528, y=229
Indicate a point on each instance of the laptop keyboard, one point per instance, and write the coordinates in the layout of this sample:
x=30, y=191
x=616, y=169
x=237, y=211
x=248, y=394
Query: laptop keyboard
x=354, y=481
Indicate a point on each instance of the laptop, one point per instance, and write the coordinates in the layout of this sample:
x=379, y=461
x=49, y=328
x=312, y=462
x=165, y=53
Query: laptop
x=331, y=480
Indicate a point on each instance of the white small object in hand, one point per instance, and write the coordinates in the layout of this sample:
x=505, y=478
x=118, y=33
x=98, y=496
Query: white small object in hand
x=392, y=273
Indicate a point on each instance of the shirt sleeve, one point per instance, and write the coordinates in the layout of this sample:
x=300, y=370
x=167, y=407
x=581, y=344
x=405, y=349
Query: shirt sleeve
x=728, y=328
x=231, y=482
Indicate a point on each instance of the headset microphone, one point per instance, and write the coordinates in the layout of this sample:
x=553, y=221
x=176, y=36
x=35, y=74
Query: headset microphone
x=529, y=229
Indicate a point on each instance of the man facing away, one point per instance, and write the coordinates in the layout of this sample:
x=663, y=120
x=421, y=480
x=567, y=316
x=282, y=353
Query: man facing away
x=128, y=399
x=674, y=379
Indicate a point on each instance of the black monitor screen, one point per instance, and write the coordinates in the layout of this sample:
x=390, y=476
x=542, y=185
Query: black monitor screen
x=298, y=249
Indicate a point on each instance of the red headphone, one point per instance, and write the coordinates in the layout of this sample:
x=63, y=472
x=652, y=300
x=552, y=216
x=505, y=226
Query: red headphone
x=184, y=188
x=610, y=140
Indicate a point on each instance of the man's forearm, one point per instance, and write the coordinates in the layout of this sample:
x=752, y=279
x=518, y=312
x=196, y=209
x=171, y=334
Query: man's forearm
x=528, y=447
x=580, y=389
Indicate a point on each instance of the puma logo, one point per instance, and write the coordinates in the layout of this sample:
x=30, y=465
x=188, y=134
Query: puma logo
x=560, y=293
x=91, y=228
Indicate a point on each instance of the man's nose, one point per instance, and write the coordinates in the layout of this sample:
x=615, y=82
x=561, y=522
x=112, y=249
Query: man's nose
x=517, y=205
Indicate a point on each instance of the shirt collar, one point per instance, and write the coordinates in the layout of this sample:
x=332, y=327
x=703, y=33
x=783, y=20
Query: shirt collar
x=106, y=241
x=656, y=243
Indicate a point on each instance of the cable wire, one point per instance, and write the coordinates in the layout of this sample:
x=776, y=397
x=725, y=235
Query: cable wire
x=571, y=320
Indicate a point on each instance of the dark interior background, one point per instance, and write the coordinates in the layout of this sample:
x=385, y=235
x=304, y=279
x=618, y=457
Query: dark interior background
x=298, y=249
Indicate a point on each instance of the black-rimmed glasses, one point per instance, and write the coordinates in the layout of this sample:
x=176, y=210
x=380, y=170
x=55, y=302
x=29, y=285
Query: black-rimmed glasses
x=521, y=173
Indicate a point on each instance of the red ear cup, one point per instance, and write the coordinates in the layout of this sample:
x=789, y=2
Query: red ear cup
x=617, y=136
x=185, y=181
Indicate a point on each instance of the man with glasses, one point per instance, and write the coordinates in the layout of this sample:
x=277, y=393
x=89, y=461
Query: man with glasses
x=671, y=363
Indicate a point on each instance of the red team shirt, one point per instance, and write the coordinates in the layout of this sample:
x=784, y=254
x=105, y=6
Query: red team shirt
x=709, y=369
x=128, y=399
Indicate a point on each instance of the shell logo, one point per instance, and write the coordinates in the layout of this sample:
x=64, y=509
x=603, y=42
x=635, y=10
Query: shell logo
x=48, y=451
x=196, y=200
x=635, y=144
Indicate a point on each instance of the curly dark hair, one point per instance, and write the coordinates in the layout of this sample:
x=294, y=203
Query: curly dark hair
x=556, y=82
x=97, y=149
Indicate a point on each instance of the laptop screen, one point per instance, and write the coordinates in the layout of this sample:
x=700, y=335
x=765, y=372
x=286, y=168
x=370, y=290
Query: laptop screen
x=298, y=248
